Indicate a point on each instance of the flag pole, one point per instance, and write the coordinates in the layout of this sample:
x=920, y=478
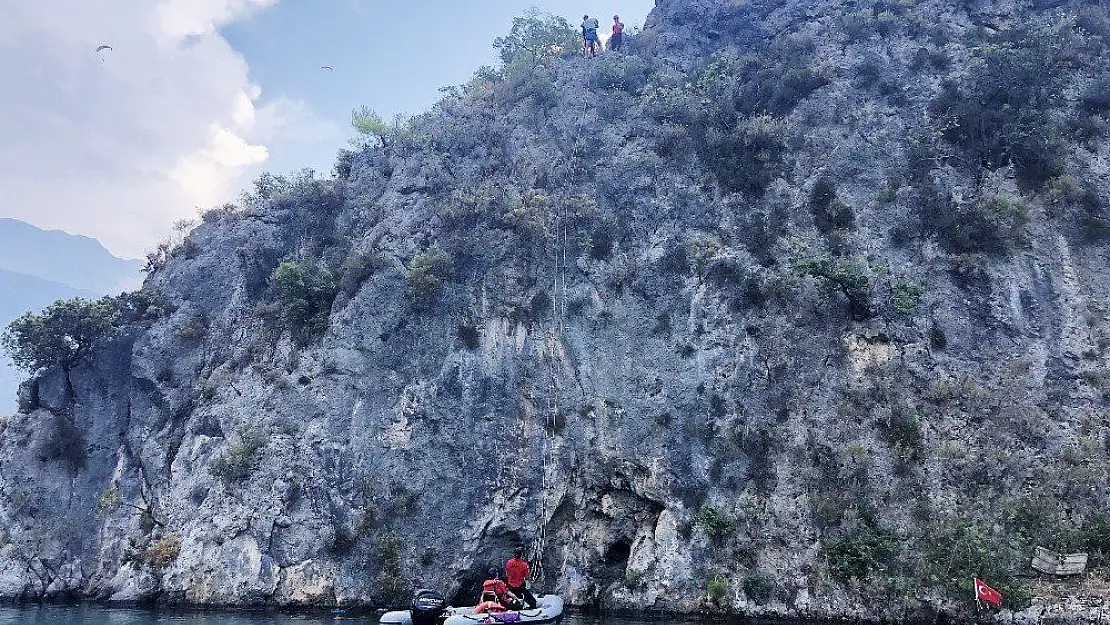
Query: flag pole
x=975, y=589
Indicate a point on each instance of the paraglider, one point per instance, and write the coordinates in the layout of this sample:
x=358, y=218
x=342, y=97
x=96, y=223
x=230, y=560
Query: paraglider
x=327, y=67
x=102, y=52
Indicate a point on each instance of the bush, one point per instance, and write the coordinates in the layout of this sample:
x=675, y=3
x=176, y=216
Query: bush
x=62, y=441
x=759, y=588
x=191, y=329
x=744, y=158
x=905, y=296
x=627, y=73
x=238, y=463
x=1096, y=98
x=703, y=248
x=958, y=550
x=601, y=244
x=220, y=213
x=403, y=132
x=1001, y=115
x=991, y=226
x=1094, y=21
x=1094, y=537
x=795, y=86
x=428, y=272
x=528, y=213
x=713, y=522
x=675, y=260
x=726, y=273
x=302, y=187
x=669, y=104
x=1067, y=196
x=534, y=84
x=305, y=293
x=59, y=336
x=391, y=583
x=859, y=554
x=717, y=588
x=937, y=338
x=903, y=433
x=925, y=58
x=469, y=336
x=359, y=267
x=163, y=552
x=829, y=213
x=634, y=578
x=108, y=501
x=847, y=277
x=755, y=84
x=370, y=125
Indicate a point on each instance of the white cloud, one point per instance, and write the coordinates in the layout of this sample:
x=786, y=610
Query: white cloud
x=207, y=173
x=119, y=148
x=184, y=18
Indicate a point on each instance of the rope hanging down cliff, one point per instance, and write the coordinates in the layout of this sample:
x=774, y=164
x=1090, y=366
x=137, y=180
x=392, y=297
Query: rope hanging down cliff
x=558, y=311
x=554, y=357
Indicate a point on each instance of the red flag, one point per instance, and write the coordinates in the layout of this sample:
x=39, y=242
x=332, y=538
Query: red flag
x=986, y=593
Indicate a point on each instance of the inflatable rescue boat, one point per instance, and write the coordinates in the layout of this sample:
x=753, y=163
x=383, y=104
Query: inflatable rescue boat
x=429, y=608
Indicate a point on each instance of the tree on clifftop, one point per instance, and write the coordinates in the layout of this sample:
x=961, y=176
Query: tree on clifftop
x=534, y=38
x=58, y=336
x=67, y=329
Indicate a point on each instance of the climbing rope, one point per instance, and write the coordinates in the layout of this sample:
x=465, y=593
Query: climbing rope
x=558, y=312
x=554, y=357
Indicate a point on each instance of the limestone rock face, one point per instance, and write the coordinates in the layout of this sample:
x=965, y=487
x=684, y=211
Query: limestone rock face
x=797, y=309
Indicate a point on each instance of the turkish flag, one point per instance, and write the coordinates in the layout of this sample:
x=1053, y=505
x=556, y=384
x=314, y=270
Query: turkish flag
x=986, y=593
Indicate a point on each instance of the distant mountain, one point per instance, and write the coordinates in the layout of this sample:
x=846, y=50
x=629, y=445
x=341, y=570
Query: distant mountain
x=20, y=292
x=77, y=261
x=39, y=267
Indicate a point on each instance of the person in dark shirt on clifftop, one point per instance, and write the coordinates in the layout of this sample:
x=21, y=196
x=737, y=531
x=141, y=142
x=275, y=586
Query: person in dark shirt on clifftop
x=516, y=573
x=589, y=35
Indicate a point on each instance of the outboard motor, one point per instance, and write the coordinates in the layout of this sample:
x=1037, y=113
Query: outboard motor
x=428, y=607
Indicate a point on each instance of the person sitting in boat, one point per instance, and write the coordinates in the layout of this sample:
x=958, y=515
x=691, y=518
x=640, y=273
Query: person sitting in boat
x=501, y=590
x=489, y=604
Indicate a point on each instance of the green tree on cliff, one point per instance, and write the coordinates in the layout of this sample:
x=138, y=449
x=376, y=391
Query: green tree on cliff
x=534, y=38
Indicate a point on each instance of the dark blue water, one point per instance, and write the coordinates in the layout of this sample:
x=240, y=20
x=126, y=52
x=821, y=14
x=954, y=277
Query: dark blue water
x=92, y=615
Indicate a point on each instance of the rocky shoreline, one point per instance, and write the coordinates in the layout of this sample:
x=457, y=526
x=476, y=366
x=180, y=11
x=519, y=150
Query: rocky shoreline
x=796, y=309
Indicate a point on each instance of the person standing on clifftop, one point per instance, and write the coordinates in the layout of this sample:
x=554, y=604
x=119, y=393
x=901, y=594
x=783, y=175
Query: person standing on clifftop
x=589, y=34
x=617, y=40
x=516, y=574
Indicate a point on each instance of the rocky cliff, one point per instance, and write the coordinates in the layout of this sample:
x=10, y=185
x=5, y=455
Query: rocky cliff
x=797, y=308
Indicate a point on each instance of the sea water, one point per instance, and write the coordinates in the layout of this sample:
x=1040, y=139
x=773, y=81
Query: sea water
x=95, y=615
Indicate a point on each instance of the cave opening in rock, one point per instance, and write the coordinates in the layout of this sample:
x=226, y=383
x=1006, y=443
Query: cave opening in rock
x=618, y=553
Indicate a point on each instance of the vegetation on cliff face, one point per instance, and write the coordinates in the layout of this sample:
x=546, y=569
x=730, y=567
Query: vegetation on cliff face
x=66, y=331
x=819, y=293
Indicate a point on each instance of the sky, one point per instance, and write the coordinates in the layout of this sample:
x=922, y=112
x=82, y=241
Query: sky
x=197, y=97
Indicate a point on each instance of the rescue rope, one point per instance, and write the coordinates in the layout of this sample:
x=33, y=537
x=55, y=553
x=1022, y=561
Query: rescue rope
x=558, y=325
x=558, y=312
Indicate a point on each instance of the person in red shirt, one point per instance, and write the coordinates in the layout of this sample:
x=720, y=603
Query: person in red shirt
x=500, y=591
x=617, y=40
x=489, y=604
x=516, y=572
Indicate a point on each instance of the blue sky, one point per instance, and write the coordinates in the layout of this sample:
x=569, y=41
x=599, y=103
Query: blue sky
x=198, y=97
x=392, y=56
